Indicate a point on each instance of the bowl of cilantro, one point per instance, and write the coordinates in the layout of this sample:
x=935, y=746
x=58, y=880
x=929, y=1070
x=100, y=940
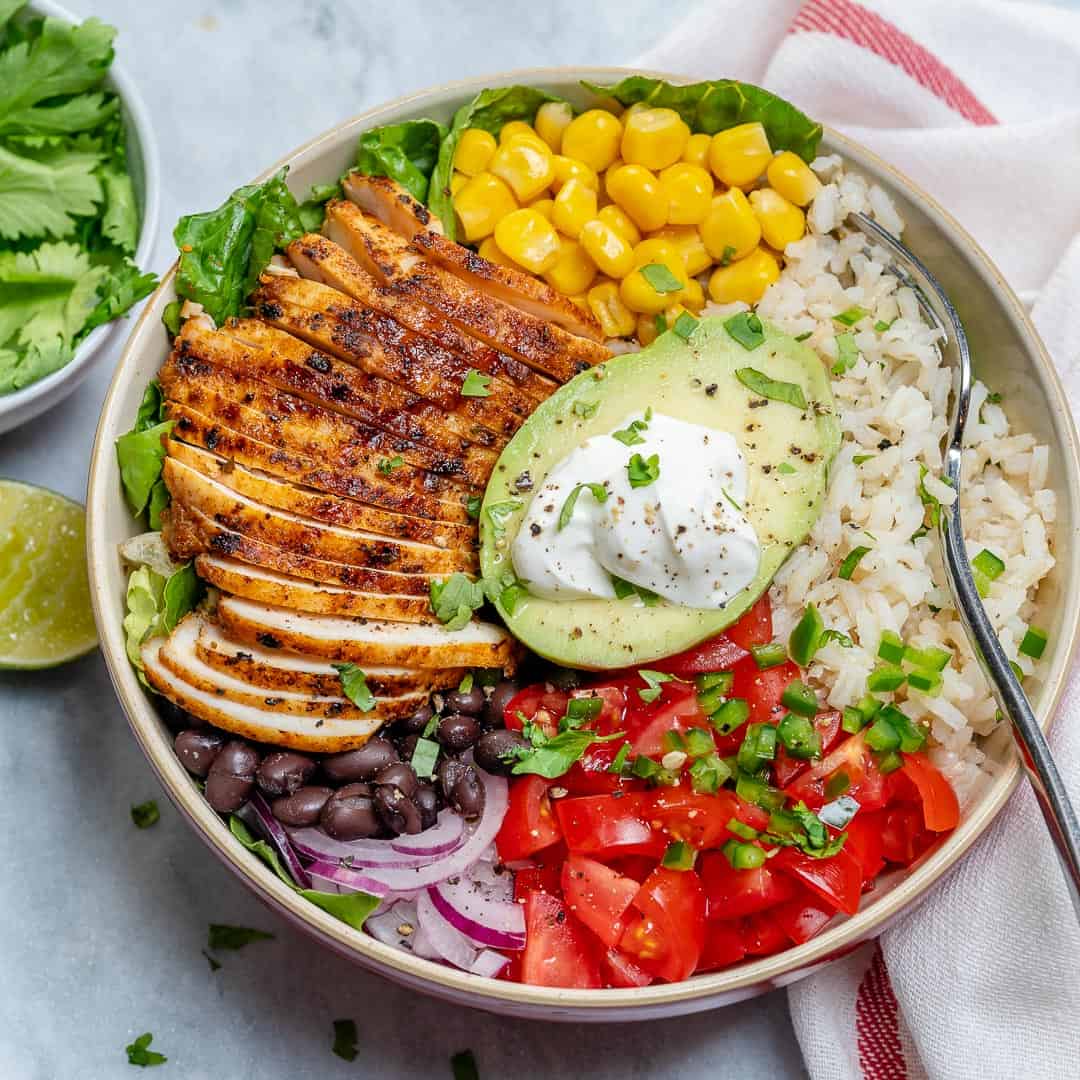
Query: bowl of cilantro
x=78, y=202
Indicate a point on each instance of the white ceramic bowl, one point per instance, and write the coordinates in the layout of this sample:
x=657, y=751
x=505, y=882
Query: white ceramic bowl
x=32, y=400
x=1008, y=354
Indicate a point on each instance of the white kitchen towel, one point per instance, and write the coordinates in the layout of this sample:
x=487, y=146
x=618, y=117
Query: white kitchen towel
x=979, y=103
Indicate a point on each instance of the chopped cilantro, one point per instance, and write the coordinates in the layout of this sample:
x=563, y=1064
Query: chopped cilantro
x=145, y=814
x=759, y=383
x=345, y=1039
x=598, y=492
x=641, y=472
x=746, y=329
x=354, y=686
x=222, y=936
x=138, y=1052
x=476, y=384
x=661, y=278
x=454, y=600
x=387, y=465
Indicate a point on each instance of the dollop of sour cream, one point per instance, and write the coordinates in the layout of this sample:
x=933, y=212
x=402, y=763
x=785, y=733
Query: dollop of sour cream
x=683, y=535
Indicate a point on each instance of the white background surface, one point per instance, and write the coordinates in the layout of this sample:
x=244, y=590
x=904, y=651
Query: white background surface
x=101, y=924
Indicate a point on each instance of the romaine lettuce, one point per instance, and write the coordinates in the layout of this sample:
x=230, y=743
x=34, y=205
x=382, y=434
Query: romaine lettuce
x=140, y=454
x=405, y=152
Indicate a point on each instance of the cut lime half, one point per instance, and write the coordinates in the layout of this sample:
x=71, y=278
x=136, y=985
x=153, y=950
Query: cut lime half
x=45, y=616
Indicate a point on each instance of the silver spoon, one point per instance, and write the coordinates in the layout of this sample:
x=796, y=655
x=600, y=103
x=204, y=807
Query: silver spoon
x=1039, y=763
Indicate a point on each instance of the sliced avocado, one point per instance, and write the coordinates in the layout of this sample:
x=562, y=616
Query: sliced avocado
x=788, y=451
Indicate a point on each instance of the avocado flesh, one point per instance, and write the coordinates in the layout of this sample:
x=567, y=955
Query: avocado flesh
x=694, y=381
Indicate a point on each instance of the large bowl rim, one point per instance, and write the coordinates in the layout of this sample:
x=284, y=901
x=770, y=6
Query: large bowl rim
x=731, y=984
x=139, y=118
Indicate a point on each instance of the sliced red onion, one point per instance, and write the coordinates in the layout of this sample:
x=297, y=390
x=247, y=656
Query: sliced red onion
x=385, y=926
x=275, y=834
x=499, y=924
x=450, y=943
x=488, y=872
x=477, y=839
x=444, y=837
x=344, y=879
x=315, y=844
x=489, y=963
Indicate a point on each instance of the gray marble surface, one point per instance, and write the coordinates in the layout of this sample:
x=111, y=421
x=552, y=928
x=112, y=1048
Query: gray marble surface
x=102, y=925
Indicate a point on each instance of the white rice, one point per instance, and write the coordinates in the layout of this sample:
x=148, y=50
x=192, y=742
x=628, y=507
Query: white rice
x=893, y=404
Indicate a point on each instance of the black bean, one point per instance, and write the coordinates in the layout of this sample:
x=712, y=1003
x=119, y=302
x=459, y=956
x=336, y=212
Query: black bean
x=398, y=775
x=349, y=814
x=427, y=802
x=415, y=724
x=302, y=807
x=495, y=708
x=197, y=749
x=407, y=747
x=283, y=771
x=494, y=749
x=396, y=810
x=361, y=764
x=467, y=798
x=449, y=771
x=232, y=776
x=457, y=732
x=470, y=702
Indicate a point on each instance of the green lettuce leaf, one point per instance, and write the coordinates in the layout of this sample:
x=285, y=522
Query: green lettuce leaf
x=489, y=110
x=143, y=603
x=405, y=152
x=42, y=195
x=140, y=454
x=223, y=251
x=312, y=210
x=183, y=591
x=714, y=106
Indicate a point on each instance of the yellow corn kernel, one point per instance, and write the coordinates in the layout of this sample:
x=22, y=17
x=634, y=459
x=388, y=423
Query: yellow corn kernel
x=696, y=151
x=515, y=127
x=493, y=253
x=630, y=110
x=543, y=206
x=614, y=317
x=740, y=155
x=593, y=137
x=529, y=239
x=693, y=296
x=457, y=182
x=745, y=280
x=619, y=220
x=567, y=168
x=639, y=193
x=474, y=150
x=573, y=270
x=609, y=172
x=552, y=119
x=574, y=205
x=793, y=178
x=671, y=314
x=607, y=248
x=689, y=190
x=660, y=249
x=782, y=222
x=730, y=229
x=640, y=294
x=481, y=203
x=692, y=248
x=647, y=330
x=524, y=162
x=654, y=138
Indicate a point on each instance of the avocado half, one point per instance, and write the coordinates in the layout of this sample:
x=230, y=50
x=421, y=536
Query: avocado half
x=692, y=380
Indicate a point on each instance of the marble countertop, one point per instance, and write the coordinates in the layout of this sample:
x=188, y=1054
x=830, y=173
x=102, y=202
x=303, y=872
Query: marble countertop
x=102, y=924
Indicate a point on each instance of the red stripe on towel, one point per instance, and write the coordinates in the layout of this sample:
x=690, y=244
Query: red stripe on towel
x=864, y=28
x=877, y=1025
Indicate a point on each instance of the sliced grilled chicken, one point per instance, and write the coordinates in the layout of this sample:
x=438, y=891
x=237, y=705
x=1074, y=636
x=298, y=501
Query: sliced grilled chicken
x=290, y=530
x=341, y=439
x=319, y=259
x=366, y=641
x=391, y=259
x=282, y=670
x=398, y=210
x=269, y=587
x=295, y=367
x=266, y=489
x=221, y=540
x=315, y=734
x=214, y=434
x=334, y=323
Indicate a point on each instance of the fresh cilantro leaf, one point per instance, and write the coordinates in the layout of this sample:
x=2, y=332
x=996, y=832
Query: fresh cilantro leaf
x=476, y=384
x=839, y=637
x=507, y=591
x=851, y=316
x=598, y=492
x=858, y=459
x=804, y=336
x=759, y=383
x=881, y=326
x=354, y=686
x=661, y=278
x=586, y=409
x=746, y=329
x=653, y=681
x=498, y=514
x=145, y=814
x=120, y=221
x=728, y=254
x=222, y=936
x=847, y=353
x=685, y=325
x=643, y=471
x=345, y=1039
x=785, y=469
x=624, y=588
x=42, y=196
x=138, y=1052
x=454, y=600
x=472, y=505
x=425, y=755
x=387, y=465
x=553, y=757
x=118, y=290
x=727, y=495
x=468, y=680
x=630, y=436
x=463, y=1066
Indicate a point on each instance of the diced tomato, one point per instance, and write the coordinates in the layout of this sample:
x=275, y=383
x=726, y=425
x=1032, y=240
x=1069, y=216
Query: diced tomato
x=668, y=938
x=598, y=896
x=940, y=807
x=755, y=627
x=762, y=690
x=702, y=820
x=837, y=880
x=543, y=707
x=732, y=893
x=724, y=945
x=529, y=824
x=763, y=935
x=717, y=654
x=610, y=826
x=864, y=842
x=902, y=838
x=638, y=867
x=787, y=768
x=558, y=951
x=592, y=775
x=621, y=971
x=544, y=875
x=852, y=758
x=613, y=710
x=676, y=710
x=803, y=916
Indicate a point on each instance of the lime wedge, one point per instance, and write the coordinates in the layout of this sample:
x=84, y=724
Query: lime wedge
x=45, y=616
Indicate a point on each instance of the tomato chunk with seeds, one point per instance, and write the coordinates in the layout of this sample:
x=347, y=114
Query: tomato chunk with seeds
x=597, y=896
x=667, y=939
x=529, y=824
x=558, y=949
x=732, y=893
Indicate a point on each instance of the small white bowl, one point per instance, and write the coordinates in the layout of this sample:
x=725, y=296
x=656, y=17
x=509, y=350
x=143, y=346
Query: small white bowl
x=22, y=405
